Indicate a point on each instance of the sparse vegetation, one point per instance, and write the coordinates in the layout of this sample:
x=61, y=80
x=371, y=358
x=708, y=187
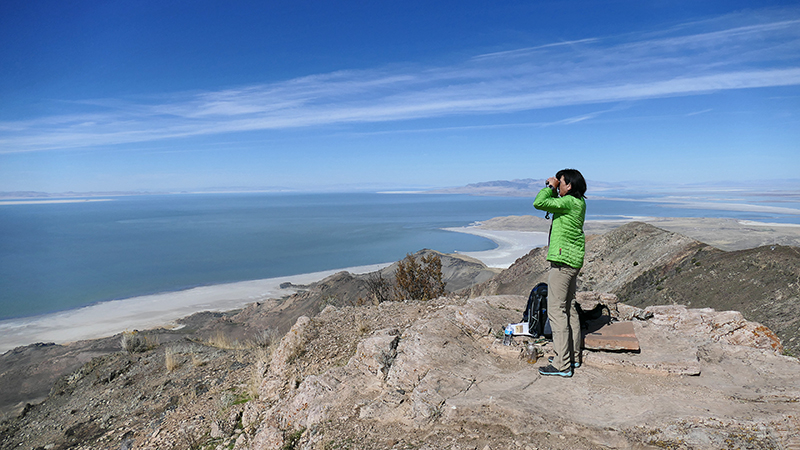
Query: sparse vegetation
x=362, y=325
x=419, y=280
x=198, y=360
x=232, y=398
x=264, y=344
x=267, y=339
x=171, y=359
x=329, y=300
x=135, y=342
x=221, y=340
x=200, y=400
x=292, y=439
x=295, y=353
x=254, y=382
x=380, y=289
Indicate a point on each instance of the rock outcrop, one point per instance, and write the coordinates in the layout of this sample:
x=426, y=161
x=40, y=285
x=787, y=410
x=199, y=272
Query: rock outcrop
x=644, y=265
x=433, y=375
x=613, y=260
x=446, y=380
x=27, y=373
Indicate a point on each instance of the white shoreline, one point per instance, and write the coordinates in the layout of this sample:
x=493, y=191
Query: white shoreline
x=150, y=311
x=767, y=224
x=511, y=245
x=48, y=202
x=164, y=309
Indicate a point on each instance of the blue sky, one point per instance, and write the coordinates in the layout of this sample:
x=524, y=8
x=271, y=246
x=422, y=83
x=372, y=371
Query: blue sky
x=183, y=95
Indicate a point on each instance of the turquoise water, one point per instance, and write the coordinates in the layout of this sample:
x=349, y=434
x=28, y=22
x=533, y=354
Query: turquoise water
x=55, y=257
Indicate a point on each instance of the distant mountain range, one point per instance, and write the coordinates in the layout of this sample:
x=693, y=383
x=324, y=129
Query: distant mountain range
x=524, y=187
x=528, y=187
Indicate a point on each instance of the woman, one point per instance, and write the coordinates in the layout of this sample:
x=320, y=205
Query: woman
x=564, y=198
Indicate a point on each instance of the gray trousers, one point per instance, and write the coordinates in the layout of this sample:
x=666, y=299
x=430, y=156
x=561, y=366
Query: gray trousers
x=562, y=281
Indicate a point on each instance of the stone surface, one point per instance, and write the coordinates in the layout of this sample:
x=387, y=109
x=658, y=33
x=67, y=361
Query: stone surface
x=451, y=370
x=434, y=375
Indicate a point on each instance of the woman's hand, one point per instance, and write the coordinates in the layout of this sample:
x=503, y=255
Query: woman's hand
x=553, y=182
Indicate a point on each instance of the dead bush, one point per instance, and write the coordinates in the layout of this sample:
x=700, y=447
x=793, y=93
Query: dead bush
x=419, y=280
x=135, y=342
x=380, y=289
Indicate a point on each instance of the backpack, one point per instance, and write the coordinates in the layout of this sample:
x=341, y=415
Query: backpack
x=591, y=315
x=536, y=312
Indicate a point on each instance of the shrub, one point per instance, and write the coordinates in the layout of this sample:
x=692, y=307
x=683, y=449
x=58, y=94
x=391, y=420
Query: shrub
x=262, y=347
x=292, y=439
x=419, y=280
x=379, y=288
x=135, y=342
x=253, y=386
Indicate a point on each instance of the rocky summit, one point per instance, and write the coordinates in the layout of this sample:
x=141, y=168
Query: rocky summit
x=645, y=266
x=349, y=374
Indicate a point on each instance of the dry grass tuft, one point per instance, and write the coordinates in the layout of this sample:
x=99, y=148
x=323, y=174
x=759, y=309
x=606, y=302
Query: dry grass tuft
x=198, y=360
x=263, y=346
x=220, y=340
x=171, y=359
x=254, y=382
x=267, y=339
x=135, y=342
x=362, y=325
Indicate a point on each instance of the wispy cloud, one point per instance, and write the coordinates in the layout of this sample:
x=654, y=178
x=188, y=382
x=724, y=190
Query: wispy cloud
x=680, y=62
x=528, y=50
x=695, y=113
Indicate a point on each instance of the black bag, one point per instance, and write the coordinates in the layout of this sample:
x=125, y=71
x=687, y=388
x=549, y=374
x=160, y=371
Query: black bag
x=536, y=312
x=591, y=315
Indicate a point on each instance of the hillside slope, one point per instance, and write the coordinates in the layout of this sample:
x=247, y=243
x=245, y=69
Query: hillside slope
x=762, y=283
x=420, y=375
x=644, y=265
x=27, y=373
x=613, y=260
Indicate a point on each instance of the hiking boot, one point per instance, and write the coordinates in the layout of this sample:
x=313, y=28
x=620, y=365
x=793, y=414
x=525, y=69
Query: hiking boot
x=550, y=370
x=575, y=365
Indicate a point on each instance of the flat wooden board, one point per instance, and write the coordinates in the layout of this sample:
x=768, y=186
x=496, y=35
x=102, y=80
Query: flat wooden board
x=613, y=336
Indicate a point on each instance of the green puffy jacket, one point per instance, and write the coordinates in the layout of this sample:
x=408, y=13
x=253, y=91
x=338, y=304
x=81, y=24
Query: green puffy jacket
x=567, y=241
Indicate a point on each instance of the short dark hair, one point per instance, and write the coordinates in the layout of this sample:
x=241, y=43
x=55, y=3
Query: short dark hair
x=575, y=180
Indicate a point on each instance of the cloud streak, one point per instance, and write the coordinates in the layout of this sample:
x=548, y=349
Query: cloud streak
x=589, y=71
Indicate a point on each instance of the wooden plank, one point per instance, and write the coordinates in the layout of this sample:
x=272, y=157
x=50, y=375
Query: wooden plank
x=613, y=336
